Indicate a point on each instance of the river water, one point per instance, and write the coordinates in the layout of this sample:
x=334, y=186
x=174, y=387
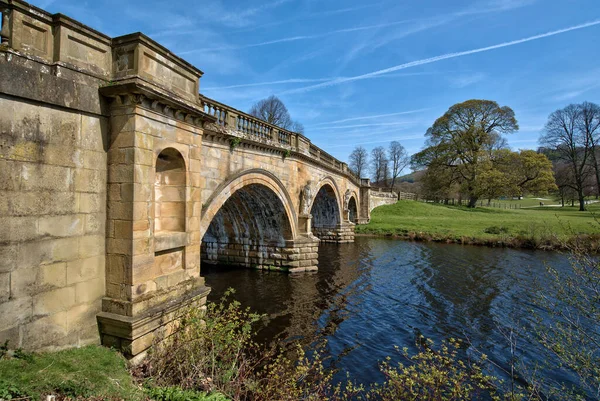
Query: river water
x=374, y=294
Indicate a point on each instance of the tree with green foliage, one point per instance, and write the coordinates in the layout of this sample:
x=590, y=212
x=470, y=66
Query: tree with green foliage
x=526, y=171
x=462, y=141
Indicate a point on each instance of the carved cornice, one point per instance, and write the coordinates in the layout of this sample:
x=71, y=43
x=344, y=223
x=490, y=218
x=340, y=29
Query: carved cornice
x=137, y=92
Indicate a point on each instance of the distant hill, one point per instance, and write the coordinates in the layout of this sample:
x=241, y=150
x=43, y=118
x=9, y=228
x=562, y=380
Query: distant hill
x=405, y=183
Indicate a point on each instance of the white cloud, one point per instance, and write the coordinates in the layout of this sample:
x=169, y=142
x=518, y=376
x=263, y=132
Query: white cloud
x=440, y=58
x=464, y=80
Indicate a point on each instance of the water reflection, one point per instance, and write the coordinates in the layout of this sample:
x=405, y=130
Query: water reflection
x=377, y=293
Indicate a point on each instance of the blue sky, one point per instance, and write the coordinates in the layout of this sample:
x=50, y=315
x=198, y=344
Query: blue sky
x=357, y=72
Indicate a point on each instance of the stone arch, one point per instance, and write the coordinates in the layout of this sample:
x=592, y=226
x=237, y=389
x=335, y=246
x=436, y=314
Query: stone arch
x=249, y=222
x=336, y=191
x=240, y=180
x=170, y=182
x=326, y=211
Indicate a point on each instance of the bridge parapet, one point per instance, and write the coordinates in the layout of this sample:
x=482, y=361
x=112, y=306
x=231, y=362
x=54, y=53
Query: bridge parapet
x=236, y=123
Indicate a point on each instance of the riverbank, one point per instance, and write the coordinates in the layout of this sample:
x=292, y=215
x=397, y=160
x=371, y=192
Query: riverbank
x=87, y=373
x=547, y=228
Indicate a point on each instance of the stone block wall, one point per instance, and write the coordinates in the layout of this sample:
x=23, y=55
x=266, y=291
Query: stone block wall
x=378, y=198
x=295, y=256
x=341, y=234
x=52, y=214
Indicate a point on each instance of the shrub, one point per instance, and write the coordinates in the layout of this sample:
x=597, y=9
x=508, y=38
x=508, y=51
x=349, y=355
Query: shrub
x=433, y=375
x=213, y=351
x=178, y=394
x=496, y=230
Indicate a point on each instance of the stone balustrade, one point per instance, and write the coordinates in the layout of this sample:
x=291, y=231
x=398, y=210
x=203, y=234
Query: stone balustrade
x=262, y=131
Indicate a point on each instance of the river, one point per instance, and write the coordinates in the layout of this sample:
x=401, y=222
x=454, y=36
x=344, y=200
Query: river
x=374, y=294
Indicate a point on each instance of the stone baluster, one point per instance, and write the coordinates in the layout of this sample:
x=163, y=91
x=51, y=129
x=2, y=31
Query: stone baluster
x=220, y=116
x=5, y=33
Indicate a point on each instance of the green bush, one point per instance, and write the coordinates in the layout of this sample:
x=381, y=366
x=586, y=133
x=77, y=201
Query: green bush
x=178, y=394
x=434, y=375
x=213, y=351
x=496, y=230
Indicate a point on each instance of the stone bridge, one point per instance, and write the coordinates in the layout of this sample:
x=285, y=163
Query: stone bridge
x=118, y=179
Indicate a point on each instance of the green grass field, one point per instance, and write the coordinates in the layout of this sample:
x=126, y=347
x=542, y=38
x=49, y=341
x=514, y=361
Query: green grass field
x=526, y=202
x=482, y=224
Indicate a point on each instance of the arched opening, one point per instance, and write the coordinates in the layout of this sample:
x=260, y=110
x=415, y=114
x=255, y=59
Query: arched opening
x=325, y=214
x=352, y=210
x=169, y=192
x=249, y=229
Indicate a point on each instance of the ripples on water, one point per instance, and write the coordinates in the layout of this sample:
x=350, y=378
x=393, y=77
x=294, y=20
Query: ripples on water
x=374, y=294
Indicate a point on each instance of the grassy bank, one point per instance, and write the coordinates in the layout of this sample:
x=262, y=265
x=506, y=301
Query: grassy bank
x=538, y=227
x=88, y=373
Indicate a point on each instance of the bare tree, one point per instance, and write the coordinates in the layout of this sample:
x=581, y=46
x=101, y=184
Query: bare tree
x=359, y=160
x=273, y=111
x=564, y=132
x=399, y=159
x=297, y=127
x=590, y=126
x=379, y=162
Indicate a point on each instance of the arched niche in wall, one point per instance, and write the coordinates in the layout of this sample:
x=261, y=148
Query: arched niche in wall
x=352, y=210
x=169, y=192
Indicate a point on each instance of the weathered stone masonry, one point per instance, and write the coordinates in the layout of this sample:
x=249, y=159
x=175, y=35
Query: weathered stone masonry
x=117, y=179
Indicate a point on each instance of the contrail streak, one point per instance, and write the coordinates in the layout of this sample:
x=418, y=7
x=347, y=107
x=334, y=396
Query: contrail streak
x=400, y=138
x=362, y=125
x=439, y=58
x=296, y=38
x=284, y=81
x=370, y=117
